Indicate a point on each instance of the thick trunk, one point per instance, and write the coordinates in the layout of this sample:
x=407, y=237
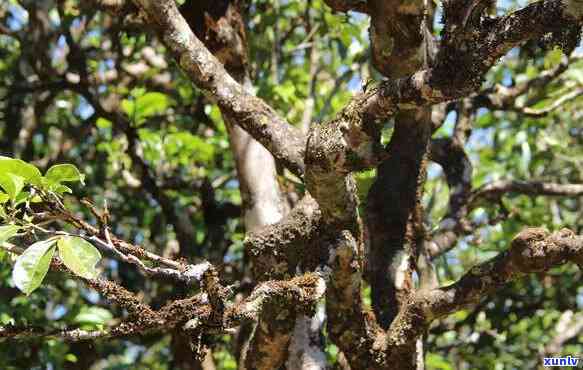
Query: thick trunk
x=263, y=202
x=401, y=43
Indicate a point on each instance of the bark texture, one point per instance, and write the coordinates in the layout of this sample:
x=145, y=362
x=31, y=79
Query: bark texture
x=316, y=250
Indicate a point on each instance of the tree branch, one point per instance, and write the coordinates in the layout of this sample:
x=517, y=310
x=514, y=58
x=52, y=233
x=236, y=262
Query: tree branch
x=494, y=38
x=129, y=253
x=531, y=112
x=278, y=249
x=73, y=335
x=391, y=202
x=450, y=154
x=497, y=189
x=348, y=5
x=451, y=228
x=188, y=314
x=210, y=308
x=350, y=142
x=568, y=327
x=352, y=329
x=400, y=37
x=285, y=142
x=531, y=251
x=501, y=97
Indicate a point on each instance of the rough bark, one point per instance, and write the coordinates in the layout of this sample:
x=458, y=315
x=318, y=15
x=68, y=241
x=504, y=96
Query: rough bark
x=221, y=27
x=329, y=223
x=390, y=205
x=401, y=43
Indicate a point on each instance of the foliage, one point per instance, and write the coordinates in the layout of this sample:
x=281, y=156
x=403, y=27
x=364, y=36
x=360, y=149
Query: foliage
x=174, y=159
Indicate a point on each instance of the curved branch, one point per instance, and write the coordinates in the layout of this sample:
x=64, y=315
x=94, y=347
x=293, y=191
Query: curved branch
x=533, y=250
x=277, y=249
x=284, y=141
x=531, y=112
x=500, y=97
x=451, y=227
x=458, y=172
x=494, y=38
x=497, y=189
x=72, y=335
x=450, y=154
x=187, y=314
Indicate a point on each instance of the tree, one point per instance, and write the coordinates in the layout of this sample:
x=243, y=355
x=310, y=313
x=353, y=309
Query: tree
x=265, y=195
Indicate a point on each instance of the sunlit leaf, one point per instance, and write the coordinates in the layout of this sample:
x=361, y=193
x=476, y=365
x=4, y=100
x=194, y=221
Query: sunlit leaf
x=93, y=316
x=31, y=267
x=7, y=232
x=146, y=106
x=22, y=197
x=553, y=58
x=18, y=167
x=103, y=123
x=12, y=184
x=79, y=256
x=151, y=103
x=64, y=173
x=62, y=189
x=4, y=198
x=70, y=357
x=437, y=362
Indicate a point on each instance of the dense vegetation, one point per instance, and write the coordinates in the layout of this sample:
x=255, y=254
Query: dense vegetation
x=124, y=169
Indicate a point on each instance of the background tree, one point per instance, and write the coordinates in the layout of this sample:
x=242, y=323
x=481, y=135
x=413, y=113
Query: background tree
x=291, y=184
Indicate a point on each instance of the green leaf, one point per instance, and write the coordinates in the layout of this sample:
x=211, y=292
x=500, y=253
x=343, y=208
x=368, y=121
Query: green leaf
x=12, y=184
x=129, y=107
x=103, y=123
x=4, y=198
x=435, y=361
x=18, y=167
x=31, y=267
x=7, y=232
x=71, y=358
x=79, y=256
x=64, y=173
x=62, y=189
x=553, y=58
x=146, y=106
x=152, y=103
x=93, y=316
x=22, y=197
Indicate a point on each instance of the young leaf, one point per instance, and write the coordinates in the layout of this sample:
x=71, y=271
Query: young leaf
x=22, y=197
x=12, y=184
x=79, y=256
x=31, y=267
x=64, y=173
x=18, y=167
x=4, y=198
x=7, y=232
x=62, y=189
